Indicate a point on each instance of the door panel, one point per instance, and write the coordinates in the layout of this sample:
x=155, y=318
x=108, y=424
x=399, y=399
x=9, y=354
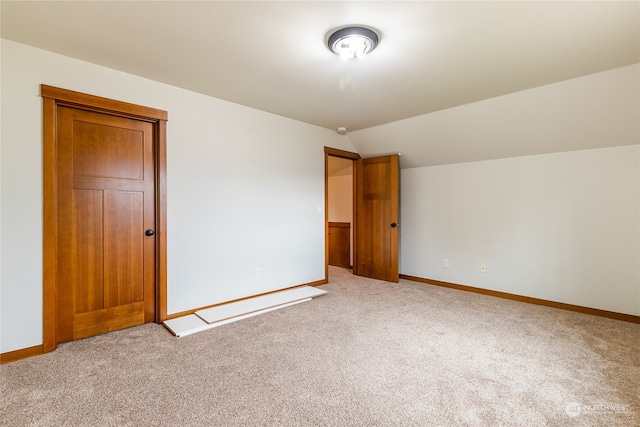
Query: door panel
x=377, y=216
x=122, y=157
x=340, y=244
x=89, y=236
x=106, y=201
x=124, y=248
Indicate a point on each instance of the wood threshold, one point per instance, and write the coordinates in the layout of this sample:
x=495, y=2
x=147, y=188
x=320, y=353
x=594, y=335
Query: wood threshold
x=530, y=300
x=192, y=311
x=23, y=353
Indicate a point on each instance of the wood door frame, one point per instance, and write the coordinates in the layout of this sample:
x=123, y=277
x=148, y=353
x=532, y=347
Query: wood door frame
x=334, y=152
x=53, y=98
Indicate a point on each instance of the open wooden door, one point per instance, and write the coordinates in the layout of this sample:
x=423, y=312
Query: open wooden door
x=377, y=214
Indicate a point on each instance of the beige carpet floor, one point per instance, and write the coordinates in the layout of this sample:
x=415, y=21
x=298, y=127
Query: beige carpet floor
x=368, y=353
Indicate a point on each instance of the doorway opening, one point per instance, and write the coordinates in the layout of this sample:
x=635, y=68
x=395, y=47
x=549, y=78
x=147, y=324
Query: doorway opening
x=339, y=212
x=375, y=214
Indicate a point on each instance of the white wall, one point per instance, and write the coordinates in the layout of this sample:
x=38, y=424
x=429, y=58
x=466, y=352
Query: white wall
x=562, y=227
x=341, y=198
x=245, y=190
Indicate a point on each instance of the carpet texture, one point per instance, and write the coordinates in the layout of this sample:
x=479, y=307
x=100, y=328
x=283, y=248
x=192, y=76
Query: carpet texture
x=369, y=353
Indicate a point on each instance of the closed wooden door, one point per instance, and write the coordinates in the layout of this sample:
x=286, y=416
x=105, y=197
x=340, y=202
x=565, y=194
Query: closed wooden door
x=105, y=278
x=377, y=214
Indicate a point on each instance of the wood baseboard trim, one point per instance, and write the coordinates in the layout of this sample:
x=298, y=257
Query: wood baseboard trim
x=192, y=311
x=317, y=283
x=38, y=350
x=530, y=300
x=23, y=353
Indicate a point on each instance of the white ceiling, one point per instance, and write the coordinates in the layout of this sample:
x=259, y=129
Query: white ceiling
x=271, y=55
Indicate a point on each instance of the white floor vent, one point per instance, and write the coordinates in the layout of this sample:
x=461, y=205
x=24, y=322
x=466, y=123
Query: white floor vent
x=227, y=313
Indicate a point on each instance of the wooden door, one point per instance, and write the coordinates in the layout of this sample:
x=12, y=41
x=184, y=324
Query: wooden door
x=105, y=276
x=377, y=214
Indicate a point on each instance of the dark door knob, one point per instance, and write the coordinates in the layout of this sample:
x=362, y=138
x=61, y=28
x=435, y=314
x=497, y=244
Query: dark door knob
x=149, y=232
x=393, y=224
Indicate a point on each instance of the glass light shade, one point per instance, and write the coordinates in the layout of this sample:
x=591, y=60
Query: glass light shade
x=352, y=42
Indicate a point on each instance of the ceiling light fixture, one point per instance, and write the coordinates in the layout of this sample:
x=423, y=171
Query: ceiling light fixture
x=353, y=42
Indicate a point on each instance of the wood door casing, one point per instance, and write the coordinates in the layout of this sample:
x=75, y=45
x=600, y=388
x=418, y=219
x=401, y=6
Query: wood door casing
x=86, y=194
x=377, y=214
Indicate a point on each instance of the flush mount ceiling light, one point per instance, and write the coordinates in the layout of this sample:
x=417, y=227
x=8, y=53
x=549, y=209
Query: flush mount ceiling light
x=352, y=42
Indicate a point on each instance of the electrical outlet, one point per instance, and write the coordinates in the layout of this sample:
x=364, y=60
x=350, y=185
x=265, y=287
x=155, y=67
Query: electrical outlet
x=258, y=272
x=445, y=263
x=483, y=268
